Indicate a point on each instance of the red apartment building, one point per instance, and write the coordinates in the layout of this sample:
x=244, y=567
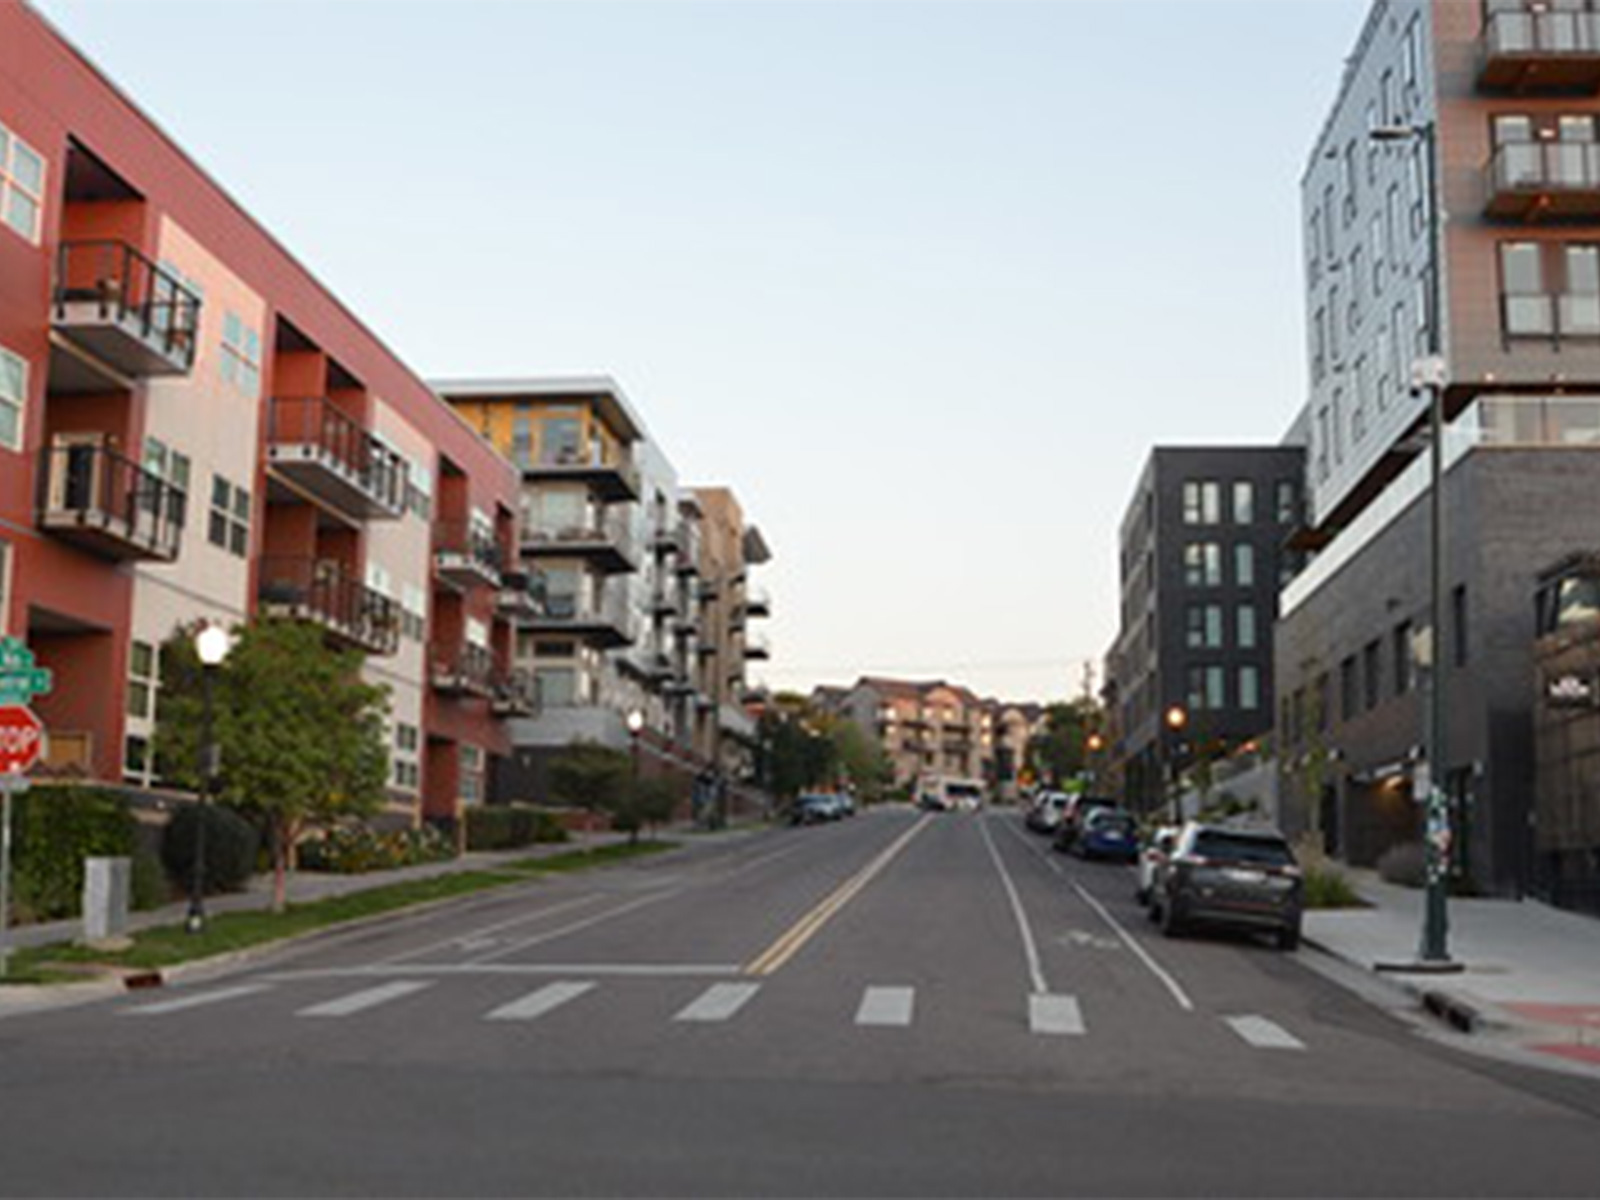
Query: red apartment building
x=191, y=427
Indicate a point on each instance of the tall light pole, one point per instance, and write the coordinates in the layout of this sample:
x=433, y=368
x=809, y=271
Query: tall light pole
x=1429, y=372
x=635, y=726
x=1176, y=718
x=212, y=644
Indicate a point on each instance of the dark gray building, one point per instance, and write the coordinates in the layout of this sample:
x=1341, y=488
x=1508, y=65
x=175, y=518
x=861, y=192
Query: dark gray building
x=1201, y=562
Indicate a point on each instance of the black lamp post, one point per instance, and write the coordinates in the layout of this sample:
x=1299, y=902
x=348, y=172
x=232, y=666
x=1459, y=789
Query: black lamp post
x=212, y=644
x=1176, y=719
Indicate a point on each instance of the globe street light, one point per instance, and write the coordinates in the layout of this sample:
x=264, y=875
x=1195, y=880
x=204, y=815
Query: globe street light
x=1429, y=373
x=635, y=721
x=212, y=644
x=1176, y=718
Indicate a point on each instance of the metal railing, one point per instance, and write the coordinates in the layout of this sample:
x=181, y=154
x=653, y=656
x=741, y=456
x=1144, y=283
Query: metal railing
x=516, y=692
x=324, y=591
x=316, y=421
x=101, y=488
x=1572, y=165
x=127, y=287
x=467, y=666
x=467, y=539
x=612, y=531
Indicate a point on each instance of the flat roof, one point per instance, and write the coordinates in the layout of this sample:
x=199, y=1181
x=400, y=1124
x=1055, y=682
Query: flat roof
x=602, y=390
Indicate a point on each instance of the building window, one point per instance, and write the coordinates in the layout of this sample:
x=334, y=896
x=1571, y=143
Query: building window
x=5, y=587
x=1203, y=626
x=142, y=677
x=1458, y=624
x=1202, y=502
x=13, y=395
x=241, y=356
x=1244, y=564
x=1349, y=697
x=1411, y=60
x=1202, y=564
x=21, y=185
x=172, y=468
x=419, y=490
x=1402, y=658
x=522, y=440
x=1418, y=186
x=558, y=686
x=1244, y=502
x=407, y=740
x=561, y=440
x=1578, y=306
x=1207, y=689
x=1286, y=502
x=471, y=775
x=230, y=517
x=1244, y=620
x=136, y=759
x=1371, y=673
x=1376, y=240
x=1249, y=688
x=1525, y=306
x=1350, y=154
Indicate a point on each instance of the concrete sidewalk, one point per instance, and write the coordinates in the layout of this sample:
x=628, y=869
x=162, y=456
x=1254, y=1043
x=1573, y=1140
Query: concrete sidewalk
x=1530, y=973
x=307, y=886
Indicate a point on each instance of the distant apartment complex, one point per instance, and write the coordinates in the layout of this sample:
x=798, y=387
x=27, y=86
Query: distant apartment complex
x=192, y=428
x=1201, y=559
x=1508, y=96
x=642, y=585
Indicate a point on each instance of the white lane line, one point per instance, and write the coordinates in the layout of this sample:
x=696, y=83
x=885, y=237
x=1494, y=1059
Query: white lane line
x=719, y=1002
x=1029, y=947
x=1054, y=1014
x=367, y=998
x=195, y=1000
x=1139, y=951
x=536, y=1004
x=886, y=1006
x=1264, y=1034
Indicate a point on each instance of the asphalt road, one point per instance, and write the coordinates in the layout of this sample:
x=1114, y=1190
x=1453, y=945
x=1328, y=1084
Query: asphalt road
x=898, y=1004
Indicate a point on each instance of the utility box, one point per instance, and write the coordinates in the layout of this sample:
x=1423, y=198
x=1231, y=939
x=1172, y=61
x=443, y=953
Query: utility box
x=107, y=883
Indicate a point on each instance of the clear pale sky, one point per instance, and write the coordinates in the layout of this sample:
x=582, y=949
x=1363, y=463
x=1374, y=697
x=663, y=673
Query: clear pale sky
x=923, y=283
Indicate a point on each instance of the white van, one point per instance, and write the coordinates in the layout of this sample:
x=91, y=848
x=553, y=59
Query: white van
x=950, y=794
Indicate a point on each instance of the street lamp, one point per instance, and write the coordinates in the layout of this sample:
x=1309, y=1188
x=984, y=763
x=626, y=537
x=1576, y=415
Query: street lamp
x=1429, y=373
x=635, y=721
x=1176, y=719
x=212, y=644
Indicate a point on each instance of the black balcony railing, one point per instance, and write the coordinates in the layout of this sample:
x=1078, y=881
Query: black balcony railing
x=332, y=454
x=90, y=494
x=109, y=283
x=465, y=551
x=324, y=592
x=516, y=694
x=466, y=669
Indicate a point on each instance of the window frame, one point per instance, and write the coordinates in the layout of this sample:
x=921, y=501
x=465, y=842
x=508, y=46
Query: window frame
x=20, y=402
x=10, y=143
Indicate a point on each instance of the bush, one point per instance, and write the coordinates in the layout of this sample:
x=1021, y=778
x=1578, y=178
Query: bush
x=511, y=826
x=356, y=849
x=1326, y=887
x=230, y=849
x=1404, y=864
x=150, y=887
x=55, y=829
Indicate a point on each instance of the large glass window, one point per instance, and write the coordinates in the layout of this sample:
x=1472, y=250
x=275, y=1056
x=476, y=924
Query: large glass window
x=1207, y=688
x=1202, y=502
x=21, y=185
x=13, y=395
x=1202, y=564
x=1286, y=501
x=1526, y=304
x=1371, y=673
x=1244, y=502
x=1244, y=564
x=1203, y=626
x=1244, y=620
x=141, y=680
x=558, y=686
x=1249, y=688
x=1402, y=658
x=241, y=356
x=561, y=440
x=229, y=526
x=1579, y=306
x=554, y=511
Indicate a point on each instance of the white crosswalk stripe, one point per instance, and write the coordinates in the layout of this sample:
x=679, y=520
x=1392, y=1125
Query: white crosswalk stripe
x=1052, y=1014
x=194, y=1000
x=536, y=1004
x=367, y=998
x=886, y=1006
x=719, y=1002
x=1264, y=1034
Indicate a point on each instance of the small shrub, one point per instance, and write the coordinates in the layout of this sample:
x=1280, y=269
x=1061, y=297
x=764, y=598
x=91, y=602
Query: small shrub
x=230, y=849
x=511, y=826
x=150, y=887
x=1404, y=864
x=55, y=829
x=1326, y=887
x=356, y=849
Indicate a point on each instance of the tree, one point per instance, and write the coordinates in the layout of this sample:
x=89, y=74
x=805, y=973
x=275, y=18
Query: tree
x=1060, y=752
x=647, y=800
x=795, y=752
x=861, y=759
x=590, y=776
x=300, y=734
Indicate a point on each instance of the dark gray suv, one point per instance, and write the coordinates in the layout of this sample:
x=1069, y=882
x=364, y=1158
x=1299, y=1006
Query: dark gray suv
x=1226, y=876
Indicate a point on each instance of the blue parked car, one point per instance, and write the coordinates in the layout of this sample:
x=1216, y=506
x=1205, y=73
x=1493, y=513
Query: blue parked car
x=1109, y=833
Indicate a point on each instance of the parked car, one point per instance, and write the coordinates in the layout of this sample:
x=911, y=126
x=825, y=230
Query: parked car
x=1219, y=875
x=1109, y=833
x=1073, y=816
x=1155, y=851
x=813, y=808
x=1045, y=815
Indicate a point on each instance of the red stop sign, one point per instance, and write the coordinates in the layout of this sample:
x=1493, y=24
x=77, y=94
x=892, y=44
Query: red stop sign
x=21, y=738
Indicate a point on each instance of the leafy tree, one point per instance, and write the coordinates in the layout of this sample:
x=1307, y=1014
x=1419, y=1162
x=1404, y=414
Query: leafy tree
x=590, y=776
x=649, y=800
x=795, y=751
x=1060, y=752
x=862, y=759
x=300, y=734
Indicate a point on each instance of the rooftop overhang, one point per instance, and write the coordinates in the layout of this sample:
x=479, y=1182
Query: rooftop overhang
x=601, y=392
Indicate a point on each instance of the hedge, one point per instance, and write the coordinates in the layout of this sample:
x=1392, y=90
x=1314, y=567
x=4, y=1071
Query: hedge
x=510, y=826
x=231, y=846
x=54, y=829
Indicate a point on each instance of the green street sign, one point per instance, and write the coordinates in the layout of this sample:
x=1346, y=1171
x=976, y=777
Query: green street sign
x=20, y=680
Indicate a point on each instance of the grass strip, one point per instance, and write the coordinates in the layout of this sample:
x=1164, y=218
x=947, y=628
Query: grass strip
x=229, y=932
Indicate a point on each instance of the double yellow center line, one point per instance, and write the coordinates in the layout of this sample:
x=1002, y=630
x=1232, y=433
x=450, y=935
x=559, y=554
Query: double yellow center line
x=808, y=926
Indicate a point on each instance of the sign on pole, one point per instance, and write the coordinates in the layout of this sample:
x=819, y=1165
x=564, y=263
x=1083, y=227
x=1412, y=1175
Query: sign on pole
x=22, y=741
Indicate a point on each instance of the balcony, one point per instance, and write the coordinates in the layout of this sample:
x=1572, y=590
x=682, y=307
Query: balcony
x=706, y=649
x=606, y=545
x=758, y=604
x=465, y=555
x=1544, y=181
x=756, y=649
x=95, y=498
x=664, y=603
x=323, y=592
x=328, y=455
x=1541, y=52
x=608, y=481
x=122, y=310
x=515, y=695
x=657, y=666
x=602, y=625
x=520, y=595
x=463, y=671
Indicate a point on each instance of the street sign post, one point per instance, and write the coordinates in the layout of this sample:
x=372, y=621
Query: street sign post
x=22, y=741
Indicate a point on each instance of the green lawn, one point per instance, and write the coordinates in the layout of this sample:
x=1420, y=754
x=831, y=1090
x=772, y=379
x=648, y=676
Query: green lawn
x=225, y=933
